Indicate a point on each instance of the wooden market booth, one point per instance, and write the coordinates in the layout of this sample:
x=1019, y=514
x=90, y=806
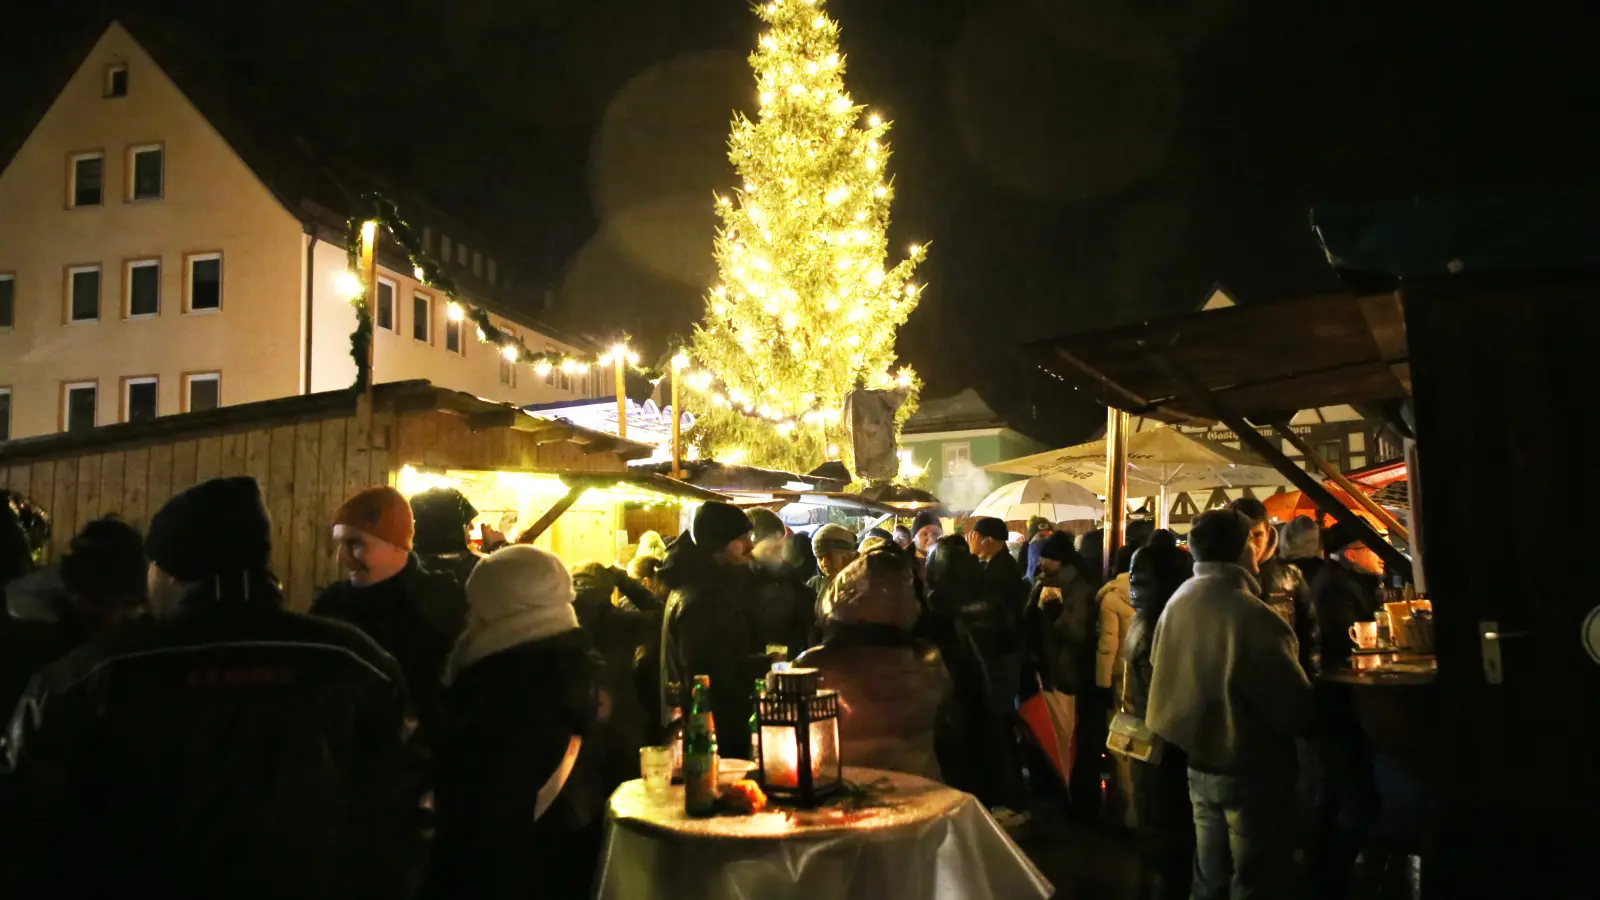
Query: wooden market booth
x=308, y=453
x=1489, y=369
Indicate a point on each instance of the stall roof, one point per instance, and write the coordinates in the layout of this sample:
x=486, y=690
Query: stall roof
x=835, y=499
x=649, y=481
x=400, y=396
x=1268, y=358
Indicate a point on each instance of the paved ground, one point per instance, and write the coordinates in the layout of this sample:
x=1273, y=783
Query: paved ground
x=1084, y=863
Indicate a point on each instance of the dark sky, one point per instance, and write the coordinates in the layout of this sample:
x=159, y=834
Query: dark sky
x=1070, y=167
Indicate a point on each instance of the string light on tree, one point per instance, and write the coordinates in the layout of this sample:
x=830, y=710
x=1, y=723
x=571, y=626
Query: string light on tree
x=802, y=256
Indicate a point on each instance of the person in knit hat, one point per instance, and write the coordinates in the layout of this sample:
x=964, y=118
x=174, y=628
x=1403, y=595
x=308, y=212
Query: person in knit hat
x=443, y=518
x=222, y=681
x=517, y=786
x=711, y=626
x=413, y=613
x=98, y=585
x=895, y=694
x=925, y=532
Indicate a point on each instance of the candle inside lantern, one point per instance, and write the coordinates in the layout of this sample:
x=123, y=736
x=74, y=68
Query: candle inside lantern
x=794, y=710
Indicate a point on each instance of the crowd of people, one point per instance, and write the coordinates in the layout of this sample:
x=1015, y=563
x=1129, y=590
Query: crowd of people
x=449, y=722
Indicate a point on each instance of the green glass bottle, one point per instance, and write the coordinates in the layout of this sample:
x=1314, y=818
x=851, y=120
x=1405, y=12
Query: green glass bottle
x=757, y=693
x=700, y=754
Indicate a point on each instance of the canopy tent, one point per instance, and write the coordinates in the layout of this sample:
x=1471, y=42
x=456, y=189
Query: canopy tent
x=1286, y=507
x=1161, y=462
x=1053, y=498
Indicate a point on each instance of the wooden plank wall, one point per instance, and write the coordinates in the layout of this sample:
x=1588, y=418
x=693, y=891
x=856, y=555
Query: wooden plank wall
x=305, y=470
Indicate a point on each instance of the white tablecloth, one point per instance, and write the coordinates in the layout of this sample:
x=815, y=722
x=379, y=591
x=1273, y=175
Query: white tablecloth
x=928, y=842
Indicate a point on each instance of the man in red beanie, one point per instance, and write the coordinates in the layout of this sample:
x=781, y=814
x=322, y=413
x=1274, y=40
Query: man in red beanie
x=414, y=614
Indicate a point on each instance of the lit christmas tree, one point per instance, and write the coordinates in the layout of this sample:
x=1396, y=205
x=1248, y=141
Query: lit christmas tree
x=807, y=305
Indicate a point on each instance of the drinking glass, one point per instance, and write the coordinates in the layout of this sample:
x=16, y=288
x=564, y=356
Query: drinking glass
x=655, y=765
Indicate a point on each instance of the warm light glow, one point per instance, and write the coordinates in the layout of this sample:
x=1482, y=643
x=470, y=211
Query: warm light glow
x=348, y=284
x=369, y=231
x=807, y=298
x=509, y=351
x=680, y=360
x=734, y=456
x=633, y=358
x=903, y=378
x=417, y=273
x=619, y=351
x=568, y=367
x=482, y=336
x=455, y=312
x=542, y=367
x=580, y=367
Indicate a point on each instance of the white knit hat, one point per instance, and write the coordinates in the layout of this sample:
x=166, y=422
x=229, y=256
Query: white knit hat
x=518, y=594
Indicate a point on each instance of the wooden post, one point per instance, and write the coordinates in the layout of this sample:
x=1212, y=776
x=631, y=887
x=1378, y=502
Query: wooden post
x=621, y=360
x=1116, y=486
x=369, y=284
x=532, y=532
x=1337, y=477
x=678, y=362
x=1394, y=559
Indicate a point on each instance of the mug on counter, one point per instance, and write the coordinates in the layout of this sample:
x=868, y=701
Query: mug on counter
x=1364, y=635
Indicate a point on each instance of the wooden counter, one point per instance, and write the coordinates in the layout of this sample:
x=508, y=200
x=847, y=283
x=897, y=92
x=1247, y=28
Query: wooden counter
x=1387, y=668
x=1395, y=700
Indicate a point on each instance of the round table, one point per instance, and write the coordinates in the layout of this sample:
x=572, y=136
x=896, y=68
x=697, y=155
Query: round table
x=925, y=842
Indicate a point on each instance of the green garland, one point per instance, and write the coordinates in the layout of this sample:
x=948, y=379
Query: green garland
x=431, y=274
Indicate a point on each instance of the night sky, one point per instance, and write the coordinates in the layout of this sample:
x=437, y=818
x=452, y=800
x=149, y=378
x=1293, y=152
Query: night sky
x=1069, y=167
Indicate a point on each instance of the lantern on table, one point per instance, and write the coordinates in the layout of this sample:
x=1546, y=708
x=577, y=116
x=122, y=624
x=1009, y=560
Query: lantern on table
x=799, y=737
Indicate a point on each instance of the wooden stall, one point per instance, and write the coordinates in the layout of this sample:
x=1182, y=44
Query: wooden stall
x=308, y=453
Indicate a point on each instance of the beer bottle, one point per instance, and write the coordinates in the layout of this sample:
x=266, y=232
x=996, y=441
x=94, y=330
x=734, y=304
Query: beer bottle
x=758, y=692
x=700, y=755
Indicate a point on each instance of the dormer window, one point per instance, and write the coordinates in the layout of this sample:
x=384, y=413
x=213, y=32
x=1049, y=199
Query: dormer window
x=117, y=80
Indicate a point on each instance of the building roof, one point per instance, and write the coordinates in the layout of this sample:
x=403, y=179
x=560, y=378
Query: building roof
x=314, y=187
x=1262, y=359
x=961, y=411
x=401, y=396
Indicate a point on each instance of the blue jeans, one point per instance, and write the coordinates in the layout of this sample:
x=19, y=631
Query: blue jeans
x=1244, y=830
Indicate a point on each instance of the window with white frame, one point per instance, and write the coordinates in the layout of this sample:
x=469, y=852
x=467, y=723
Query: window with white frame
x=8, y=300
x=957, y=458
x=508, y=369
x=116, y=80
x=552, y=378
x=452, y=336
x=86, y=179
x=461, y=254
x=203, y=282
x=492, y=272
x=146, y=172
x=5, y=414
x=386, y=317
x=78, y=402
x=202, y=391
x=83, y=293
x=421, y=316
x=139, y=398
x=444, y=248
x=144, y=288
x=477, y=263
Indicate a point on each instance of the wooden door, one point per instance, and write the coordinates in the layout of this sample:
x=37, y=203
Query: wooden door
x=1503, y=379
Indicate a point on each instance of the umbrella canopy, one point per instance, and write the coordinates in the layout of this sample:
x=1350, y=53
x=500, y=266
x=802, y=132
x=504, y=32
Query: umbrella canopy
x=1158, y=458
x=1056, y=500
x=1285, y=507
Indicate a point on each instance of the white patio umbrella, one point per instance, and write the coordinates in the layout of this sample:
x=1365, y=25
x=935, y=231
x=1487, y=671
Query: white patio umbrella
x=1056, y=500
x=1161, y=461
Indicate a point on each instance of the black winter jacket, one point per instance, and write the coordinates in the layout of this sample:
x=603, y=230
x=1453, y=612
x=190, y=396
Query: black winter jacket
x=416, y=617
x=1284, y=589
x=708, y=631
x=230, y=749
x=507, y=721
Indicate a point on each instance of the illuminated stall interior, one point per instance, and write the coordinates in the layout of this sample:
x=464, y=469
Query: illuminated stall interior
x=579, y=516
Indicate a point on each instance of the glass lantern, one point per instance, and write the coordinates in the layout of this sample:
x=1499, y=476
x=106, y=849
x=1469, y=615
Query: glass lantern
x=799, y=733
